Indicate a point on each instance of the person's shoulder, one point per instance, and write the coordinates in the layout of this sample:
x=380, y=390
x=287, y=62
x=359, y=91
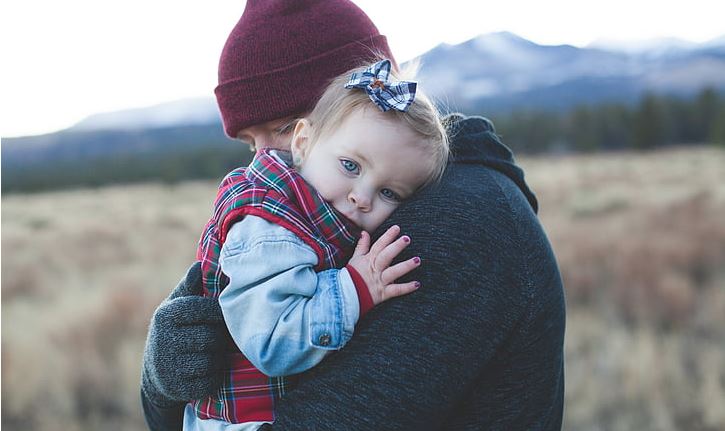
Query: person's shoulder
x=473, y=207
x=483, y=191
x=476, y=213
x=482, y=211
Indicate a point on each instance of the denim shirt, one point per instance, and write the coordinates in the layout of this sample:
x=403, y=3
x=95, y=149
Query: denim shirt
x=283, y=316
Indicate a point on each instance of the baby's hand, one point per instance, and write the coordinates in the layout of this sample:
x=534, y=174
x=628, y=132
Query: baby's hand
x=373, y=265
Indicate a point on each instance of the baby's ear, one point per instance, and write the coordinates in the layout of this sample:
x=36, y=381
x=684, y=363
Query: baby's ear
x=301, y=141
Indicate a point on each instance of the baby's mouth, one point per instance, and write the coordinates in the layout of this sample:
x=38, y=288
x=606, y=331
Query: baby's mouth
x=350, y=217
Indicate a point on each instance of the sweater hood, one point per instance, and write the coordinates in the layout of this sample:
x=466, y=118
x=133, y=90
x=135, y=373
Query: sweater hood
x=474, y=141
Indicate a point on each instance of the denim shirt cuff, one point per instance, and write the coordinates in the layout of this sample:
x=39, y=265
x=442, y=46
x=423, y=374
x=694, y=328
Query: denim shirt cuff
x=335, y=310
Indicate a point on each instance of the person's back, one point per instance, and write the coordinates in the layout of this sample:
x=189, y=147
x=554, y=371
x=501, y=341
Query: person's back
x=480, y=345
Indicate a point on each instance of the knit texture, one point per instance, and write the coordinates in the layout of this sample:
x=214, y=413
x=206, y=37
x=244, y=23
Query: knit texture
x=187, y=330
x=282, y=54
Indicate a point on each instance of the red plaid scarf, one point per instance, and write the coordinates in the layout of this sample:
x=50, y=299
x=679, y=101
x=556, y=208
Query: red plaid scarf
x=270, y=189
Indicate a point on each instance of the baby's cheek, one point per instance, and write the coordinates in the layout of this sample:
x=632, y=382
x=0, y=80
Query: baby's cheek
x=384, y=214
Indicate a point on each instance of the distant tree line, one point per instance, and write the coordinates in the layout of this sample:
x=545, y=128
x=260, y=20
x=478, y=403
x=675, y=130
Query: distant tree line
x=170, y=168
x=102, y=158
x=656, y=121
x=205, y=153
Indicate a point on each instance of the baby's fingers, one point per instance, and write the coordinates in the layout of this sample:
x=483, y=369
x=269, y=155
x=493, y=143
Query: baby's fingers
x=386, y=256
x=385, y=239
x=400, y=269
x=363, y=244
x=394, y=290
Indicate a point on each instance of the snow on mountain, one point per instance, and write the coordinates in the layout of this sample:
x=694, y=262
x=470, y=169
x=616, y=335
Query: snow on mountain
x=502, y=71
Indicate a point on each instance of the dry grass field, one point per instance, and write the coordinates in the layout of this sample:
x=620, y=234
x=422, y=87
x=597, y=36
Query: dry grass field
x=640, y=240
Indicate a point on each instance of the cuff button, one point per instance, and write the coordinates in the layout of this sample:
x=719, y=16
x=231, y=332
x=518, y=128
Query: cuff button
x=325, y=340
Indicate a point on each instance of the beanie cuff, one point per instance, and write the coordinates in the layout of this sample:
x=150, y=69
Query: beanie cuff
x=292, y=90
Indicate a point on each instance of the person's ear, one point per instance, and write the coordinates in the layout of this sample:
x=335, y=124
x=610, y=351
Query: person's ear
x=301, y=141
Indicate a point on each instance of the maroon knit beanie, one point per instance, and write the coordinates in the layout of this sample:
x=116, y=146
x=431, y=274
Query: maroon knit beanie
x=282, y=53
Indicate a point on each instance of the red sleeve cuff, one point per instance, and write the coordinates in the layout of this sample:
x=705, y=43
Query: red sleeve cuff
x=363, y=294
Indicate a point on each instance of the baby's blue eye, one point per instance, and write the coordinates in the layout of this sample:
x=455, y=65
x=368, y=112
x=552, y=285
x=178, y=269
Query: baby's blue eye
x=391, y=195
x=349, y=166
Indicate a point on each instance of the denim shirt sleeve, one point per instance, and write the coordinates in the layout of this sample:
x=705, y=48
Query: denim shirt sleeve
x=283, y=316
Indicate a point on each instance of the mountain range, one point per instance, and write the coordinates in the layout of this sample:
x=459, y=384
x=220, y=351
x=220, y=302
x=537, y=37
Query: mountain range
x=491, y=75
x=501, y=71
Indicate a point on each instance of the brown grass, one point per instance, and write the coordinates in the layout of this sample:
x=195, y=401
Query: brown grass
x=640, y=240
x=82, y=273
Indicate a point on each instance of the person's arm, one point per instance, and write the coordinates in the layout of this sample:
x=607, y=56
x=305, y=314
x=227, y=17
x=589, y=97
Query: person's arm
x=184, y=353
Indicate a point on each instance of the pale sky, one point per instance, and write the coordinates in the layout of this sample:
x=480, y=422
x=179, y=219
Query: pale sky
x=63, y=60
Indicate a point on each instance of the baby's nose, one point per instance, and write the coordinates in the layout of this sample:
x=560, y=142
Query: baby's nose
x=361, y=201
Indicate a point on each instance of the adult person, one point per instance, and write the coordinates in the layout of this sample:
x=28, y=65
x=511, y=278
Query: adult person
x=478, y=346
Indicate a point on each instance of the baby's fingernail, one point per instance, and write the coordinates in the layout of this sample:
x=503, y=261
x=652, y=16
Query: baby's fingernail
x=406, y=238
x=416, y=260
x=417, y=284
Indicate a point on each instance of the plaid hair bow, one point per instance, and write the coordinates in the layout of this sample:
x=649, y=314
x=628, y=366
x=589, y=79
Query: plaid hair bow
x=385, y=94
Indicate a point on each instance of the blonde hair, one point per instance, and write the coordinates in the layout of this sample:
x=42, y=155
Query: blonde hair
x=422, y=117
